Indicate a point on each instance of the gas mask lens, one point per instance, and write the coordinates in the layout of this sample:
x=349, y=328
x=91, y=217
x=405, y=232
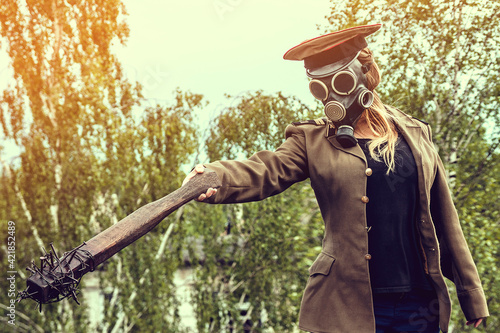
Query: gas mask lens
x=318, y=89
x=343, y=83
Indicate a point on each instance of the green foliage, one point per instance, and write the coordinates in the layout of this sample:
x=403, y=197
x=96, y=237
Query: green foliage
x=67, y=87
x=138, y=281
x=441, y=63
x=480, y=217
x=85, y=162
x=257, y=122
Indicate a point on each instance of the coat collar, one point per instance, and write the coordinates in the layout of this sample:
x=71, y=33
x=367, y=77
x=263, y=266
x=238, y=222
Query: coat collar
x=410, y=129
x=356, y=150
x=406, y=125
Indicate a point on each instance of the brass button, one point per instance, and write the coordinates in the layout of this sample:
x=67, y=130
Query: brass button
x=368, y=256
x=365, y=199
x=368, y=172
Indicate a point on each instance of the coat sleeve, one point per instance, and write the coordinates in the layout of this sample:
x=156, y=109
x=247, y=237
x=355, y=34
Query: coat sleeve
x=456, y=260
x=264, y=174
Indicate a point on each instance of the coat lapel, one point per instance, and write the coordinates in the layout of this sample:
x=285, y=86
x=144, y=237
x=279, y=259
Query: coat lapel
x=356, y=150
x=412, y=132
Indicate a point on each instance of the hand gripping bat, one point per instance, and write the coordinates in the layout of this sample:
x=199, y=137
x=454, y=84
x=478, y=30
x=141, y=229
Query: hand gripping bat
x=59, y=277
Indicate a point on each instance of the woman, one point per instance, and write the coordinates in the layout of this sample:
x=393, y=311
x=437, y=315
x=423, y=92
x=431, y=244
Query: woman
x=391, y=230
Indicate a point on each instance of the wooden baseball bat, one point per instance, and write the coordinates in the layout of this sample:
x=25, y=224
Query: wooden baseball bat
x=58, y=277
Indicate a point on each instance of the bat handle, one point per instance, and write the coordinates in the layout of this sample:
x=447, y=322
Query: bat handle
x=201, y=182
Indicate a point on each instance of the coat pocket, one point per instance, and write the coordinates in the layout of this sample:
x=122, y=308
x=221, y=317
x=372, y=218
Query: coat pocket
x=322, y=265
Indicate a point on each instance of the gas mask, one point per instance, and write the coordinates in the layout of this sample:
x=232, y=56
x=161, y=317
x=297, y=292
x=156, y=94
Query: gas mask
x=345, y=96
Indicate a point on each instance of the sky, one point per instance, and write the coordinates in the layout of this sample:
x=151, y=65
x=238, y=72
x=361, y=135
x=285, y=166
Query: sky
x=212, y=47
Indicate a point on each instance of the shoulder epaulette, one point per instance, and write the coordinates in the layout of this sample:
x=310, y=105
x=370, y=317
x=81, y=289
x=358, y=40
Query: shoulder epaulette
x=420, y=120
x=391, y=108
x=318, y=121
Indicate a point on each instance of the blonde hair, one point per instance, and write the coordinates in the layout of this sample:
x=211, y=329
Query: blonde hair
x=378, y=119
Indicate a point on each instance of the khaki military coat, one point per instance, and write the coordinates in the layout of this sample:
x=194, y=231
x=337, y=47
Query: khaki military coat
x=338, y=296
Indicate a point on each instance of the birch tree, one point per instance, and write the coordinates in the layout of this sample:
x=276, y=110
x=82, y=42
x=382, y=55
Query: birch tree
x=87, y=161
x=67, y=92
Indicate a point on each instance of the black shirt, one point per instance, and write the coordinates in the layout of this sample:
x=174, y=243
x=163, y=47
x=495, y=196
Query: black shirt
x=396, y=263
